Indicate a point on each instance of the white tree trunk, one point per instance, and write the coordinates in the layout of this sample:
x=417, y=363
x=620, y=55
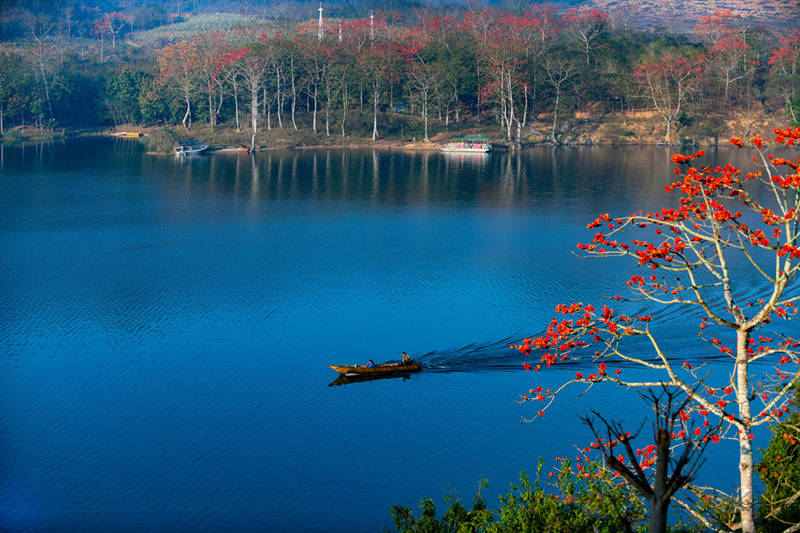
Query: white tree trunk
x=555, y=114
x=253, y=115
x=187, y=116
x=314, y=118
x=294, y=95
x=375, y=114
x=344, y=109
x=236, y=105
x=327, y=108
x=745, y=445
x=425, y=114
x=211, y=110
x=279, y=99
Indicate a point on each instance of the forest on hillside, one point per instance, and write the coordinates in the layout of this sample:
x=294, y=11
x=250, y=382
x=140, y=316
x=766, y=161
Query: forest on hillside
x=536, y=69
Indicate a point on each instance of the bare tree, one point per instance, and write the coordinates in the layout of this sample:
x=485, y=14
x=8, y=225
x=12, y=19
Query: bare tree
x=559, y=71
x=656, y=485
x=252, y=68
x=668, y=83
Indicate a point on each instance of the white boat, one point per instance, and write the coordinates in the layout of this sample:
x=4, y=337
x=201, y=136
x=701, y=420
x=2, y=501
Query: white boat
x=190, y=146
x=468, y=144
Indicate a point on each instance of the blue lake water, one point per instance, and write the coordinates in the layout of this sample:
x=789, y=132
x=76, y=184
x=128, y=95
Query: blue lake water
x=166, y=327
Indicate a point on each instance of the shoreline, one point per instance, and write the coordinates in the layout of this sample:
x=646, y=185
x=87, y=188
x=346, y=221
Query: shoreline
x=634, y=128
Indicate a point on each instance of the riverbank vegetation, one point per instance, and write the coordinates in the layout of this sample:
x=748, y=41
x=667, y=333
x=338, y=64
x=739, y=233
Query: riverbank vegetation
x=528, y=74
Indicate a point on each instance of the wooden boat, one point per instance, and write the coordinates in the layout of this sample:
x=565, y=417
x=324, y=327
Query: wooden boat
x=127, y=134
x=468, y=144
x=190, y=146
x=386, y=368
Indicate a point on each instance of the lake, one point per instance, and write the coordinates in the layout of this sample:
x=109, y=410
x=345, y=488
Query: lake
x=167, y=323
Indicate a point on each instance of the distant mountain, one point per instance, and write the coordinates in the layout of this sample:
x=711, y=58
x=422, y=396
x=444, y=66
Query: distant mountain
x=680, y=16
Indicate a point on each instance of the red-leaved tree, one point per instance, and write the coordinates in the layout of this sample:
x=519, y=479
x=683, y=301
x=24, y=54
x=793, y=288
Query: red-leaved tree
x=210, y=47
x=178, y=69
x=784, y=64
x=729, y=49
x=668, y=83
x=727, y=252
x=588, y=26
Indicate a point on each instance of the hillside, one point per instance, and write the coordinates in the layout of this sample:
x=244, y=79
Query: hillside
x=681, y=15
x=223, y=23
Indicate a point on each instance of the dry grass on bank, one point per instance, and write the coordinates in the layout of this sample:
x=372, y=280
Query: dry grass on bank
x=634, y=127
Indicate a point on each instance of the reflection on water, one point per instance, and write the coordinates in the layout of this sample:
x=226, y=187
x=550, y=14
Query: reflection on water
x=346, y=380
x=533, y=177
x=380, y=176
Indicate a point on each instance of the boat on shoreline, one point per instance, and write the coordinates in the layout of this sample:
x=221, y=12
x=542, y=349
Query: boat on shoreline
x=468, y=144
x=133, y=134
x=190, y=146
x=385, y=368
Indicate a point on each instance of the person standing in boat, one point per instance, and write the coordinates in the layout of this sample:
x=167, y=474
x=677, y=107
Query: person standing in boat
x=406, y=359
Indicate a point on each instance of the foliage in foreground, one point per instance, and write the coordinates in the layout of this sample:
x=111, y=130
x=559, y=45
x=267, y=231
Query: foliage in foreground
x=583, y=499
x=779, y=469
x=585, y=503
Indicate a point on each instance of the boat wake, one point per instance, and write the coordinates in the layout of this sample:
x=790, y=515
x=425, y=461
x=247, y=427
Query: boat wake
x=675, y=328
x=475, y=357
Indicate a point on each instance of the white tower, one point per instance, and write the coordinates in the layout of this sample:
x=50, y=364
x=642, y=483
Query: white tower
x=371, y=26
x=320, y=31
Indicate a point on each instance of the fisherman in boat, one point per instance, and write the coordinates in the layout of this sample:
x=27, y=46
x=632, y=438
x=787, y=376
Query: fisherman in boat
x=371, y=364
x=406, y=359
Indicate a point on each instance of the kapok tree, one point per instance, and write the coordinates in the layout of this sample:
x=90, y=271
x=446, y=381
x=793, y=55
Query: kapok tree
x=587, y=25
x=559, y=70
x=178, y=68
x=508, y=50
x=513, y=51
x=422, y=76
x=375, y=62
x=316, y=62
x=729, y=49
x=668, y=83
x=100, y=28
x=784, y=71
x=504, y=65
x=252, y=67
x=110, y=24
x=115, y=22
x=728, y=252
x=226, y=71
x=211, y=47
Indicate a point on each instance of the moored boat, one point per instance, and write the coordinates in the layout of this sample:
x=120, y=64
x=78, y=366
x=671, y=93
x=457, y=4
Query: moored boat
x=386, y=368
x=468, y=144
x=127, y=134
x=190, y=146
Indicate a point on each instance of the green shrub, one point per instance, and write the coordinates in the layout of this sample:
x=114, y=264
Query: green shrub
x=584, y=500
x=779, y=469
